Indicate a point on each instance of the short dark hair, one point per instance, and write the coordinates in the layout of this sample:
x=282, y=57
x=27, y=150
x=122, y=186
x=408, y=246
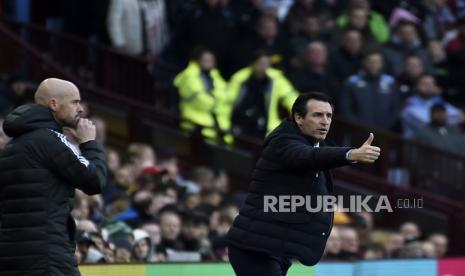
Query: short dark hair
x=300, y=105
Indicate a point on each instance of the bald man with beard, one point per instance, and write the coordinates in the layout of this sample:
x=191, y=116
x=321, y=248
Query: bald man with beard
x=39, y=170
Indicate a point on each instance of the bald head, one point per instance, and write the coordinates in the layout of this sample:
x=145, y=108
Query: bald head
x=62, y=98
x=53, y=88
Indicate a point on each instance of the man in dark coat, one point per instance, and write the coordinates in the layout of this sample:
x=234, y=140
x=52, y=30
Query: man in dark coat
x=39, y=170
x=295, y=161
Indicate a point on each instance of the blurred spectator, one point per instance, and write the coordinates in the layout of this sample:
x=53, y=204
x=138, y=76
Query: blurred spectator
x=311, y=31
x=441, y=15
x=143, y=249
x=155, y=25
x=170, y=226
x=406, y=41
x=346, y=59
x=455, y=49
x=413, y=69
x=333, y=245
x=141, y=156
x=212, y=26
x=15, y=92
x=194, y=234
x=416, y=113
x=203, y=98
x=441, y=243
x=302, y=9
x=349, y=244
x=394, y=243
x=314, y=75
x=257, y=92
x=437, y=133
x=124, y=24
x=375, y=252
x=268, y=38
x=429, y=250
x=371, y=24
x=410, y=231
x=371, y=97
x=441, y=70
x=140, y=210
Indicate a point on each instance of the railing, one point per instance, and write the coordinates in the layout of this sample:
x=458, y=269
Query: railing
x=398, y=153
x=101, y=66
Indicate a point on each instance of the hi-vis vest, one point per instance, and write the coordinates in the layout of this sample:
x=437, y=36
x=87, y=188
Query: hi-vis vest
x=281, y=93
x=201, y=107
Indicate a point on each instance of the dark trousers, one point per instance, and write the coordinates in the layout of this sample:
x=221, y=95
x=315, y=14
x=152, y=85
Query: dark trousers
x=253, y=263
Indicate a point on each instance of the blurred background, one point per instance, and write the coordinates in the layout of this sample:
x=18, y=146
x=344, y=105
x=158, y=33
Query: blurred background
x=184, y=91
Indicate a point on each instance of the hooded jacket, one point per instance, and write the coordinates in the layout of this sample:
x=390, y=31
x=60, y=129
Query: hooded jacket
x=288, y=165
x=39, y=170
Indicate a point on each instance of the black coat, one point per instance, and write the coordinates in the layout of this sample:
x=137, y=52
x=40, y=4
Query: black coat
x=287, y=166
x=39, y=170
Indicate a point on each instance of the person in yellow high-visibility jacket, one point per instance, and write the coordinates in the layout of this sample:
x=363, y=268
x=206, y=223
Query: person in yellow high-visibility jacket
x=203, y=97
x=257, y=92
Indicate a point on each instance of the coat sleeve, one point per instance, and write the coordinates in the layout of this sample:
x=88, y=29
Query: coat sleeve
x=85, y=170
x=295, y=154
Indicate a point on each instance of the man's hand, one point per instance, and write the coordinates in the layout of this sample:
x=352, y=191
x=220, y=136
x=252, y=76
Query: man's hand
x=366, y=153
x=84, y=132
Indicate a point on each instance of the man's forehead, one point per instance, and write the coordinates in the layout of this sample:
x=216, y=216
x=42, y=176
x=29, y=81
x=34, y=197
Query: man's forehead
x=319, y=106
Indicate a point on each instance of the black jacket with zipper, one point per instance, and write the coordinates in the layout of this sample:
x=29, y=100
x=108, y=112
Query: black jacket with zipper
x=289, y=165
x=39, y=170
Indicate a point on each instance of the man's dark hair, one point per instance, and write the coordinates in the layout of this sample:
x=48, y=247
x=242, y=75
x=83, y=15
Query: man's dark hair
x=371, y=52
x=421, y=77
x=300, y=105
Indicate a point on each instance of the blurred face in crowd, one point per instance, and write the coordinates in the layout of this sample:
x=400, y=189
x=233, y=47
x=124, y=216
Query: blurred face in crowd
x=260, y=66
x=195, y=232
x=373, y=64
x=81, y=209
x=349, y=240
x=267, y=28
x=426, y=87
x=439, y=117
x=317, y=121
x=100, y=129
x=407, y=34
x=170, y=225
x=124, y=177
x=352, y=42
x=207, y=61
x=413, y=67
x=436, y=51
x=358, y=18
x=429, y=251
x=440, y=242
x=316, y=54
x=154, y=232
x=312, y=25
x=141, y=249
x=159, y=201
x=333, y=245
x=395, y=242
x=410, y=231
x=113, y=160
x=192, y=201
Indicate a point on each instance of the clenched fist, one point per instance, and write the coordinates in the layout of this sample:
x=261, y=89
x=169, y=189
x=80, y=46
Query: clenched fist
x=84, y=132
x=366, y=153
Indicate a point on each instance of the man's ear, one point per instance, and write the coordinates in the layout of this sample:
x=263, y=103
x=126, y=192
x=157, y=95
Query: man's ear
x=298, y=119
x=53, y=104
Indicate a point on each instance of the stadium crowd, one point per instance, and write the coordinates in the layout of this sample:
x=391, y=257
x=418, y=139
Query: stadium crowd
x=397, y=65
